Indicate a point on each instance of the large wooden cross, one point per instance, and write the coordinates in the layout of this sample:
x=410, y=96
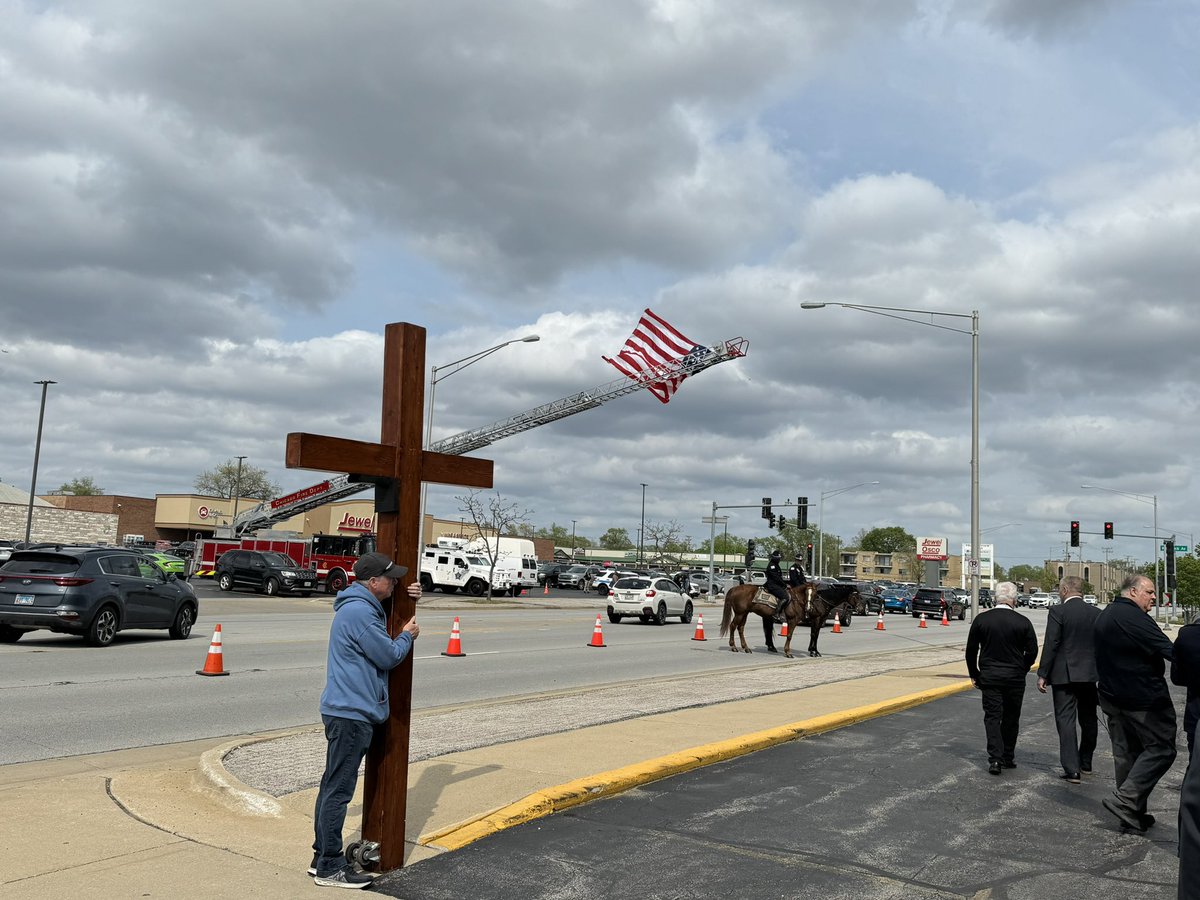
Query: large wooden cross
x=397, y=465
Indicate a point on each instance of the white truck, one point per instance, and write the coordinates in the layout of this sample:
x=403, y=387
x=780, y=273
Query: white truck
x=514, y=557
x=449, y=566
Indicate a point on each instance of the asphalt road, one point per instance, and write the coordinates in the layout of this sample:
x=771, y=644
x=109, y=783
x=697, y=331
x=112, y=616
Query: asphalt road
x=63, y=698
x=899, y=807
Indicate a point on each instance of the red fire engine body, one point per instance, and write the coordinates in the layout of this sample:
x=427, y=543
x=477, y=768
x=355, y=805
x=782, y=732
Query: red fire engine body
x=331, y=555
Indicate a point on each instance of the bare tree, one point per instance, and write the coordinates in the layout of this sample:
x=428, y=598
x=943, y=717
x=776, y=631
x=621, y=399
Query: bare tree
x=664, y=537
x=492, y=516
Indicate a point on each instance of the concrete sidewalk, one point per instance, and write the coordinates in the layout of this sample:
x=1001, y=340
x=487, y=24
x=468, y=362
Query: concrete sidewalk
x=176, y=822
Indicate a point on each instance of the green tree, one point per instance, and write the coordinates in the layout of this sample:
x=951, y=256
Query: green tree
x=892, y=539
x=1025, y=574
x=561, y=535
x=83, y=486
x=223, y=481
x=616, y=539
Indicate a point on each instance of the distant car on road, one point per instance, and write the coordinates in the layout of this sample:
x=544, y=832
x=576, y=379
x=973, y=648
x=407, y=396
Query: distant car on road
x=90, y=591
x=266, y=571
x=932, y=601
x=1090, y=599
x=166, y=561
x=1039, y=600
x=650, y=599
x=894, y=602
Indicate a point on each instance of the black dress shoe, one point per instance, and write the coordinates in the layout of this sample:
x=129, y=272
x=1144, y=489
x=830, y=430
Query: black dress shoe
x=1086, y=770
x=1072, y=777
x=994, y=768
x=1127, y=817
x=1146, y=819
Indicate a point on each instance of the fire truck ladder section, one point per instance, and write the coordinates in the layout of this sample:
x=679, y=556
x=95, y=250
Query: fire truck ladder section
x=272, y=511
x=340, y=486
x=697, y=361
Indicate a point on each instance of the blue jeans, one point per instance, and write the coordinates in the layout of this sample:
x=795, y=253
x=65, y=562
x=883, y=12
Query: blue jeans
x=347, y=741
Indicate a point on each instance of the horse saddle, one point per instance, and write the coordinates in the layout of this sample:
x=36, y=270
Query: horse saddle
x=766, y=598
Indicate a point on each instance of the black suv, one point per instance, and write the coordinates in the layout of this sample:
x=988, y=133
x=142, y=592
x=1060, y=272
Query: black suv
x=90, y=591
x=932, y=601
x=548, y=572
x=265, y=571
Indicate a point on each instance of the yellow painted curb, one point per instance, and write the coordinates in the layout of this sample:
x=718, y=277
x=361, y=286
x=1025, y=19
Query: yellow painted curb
x=581, y=790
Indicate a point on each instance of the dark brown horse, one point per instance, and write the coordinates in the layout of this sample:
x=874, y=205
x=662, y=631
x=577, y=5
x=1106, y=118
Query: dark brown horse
x=809, y=606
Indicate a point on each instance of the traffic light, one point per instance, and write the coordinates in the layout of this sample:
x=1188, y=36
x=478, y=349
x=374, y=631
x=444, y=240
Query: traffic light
x=1171, y=563
x=1108, y=531
x=766, y=512
x=802, y=512
x=771, y=520
x=749, y=554
x=809, y=558
x=782, y=522
x=1074, y=534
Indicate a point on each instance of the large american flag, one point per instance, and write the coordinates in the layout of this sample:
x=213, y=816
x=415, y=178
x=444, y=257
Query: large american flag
x=653, y=344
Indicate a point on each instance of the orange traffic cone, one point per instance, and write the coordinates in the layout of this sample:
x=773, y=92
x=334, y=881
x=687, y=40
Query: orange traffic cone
x=879, y=624
x=837, y=623
x=597, y=635
x=783, y=630
x=546, y=592
x=699, y=635
x=922, y=625
x=945, y=620
x=214, y=663
x=454, y=648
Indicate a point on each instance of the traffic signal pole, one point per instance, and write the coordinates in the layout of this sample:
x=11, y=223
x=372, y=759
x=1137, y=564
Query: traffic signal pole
x=766, y=509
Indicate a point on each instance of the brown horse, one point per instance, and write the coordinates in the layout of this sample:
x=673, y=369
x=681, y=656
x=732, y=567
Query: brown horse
x=809, y=606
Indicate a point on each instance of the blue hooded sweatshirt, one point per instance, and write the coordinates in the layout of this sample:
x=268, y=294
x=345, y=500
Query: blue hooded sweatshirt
x=361, y=653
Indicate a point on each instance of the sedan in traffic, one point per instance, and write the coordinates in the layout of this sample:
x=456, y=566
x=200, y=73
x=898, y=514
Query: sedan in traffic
x=649, y=599
x=897, y=602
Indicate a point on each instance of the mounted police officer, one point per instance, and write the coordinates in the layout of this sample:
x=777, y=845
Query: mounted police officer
x=796, y=576
x=775, y=584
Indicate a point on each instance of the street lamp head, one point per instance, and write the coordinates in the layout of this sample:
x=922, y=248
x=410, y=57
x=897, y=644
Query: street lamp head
x=809, y=304
x=530, y=338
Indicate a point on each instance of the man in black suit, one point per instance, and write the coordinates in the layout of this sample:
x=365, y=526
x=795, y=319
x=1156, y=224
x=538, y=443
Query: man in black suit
x=1185, y=672
x=1069, y=667
x=1001, y=648
x=1130, y=659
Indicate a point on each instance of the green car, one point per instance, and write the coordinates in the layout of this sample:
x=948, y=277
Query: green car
x=166, y=562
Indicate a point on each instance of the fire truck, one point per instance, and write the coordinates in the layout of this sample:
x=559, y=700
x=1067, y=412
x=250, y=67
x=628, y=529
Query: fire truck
x=331, y=555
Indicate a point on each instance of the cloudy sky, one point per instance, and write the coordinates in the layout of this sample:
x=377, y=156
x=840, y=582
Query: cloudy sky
x=208, y=212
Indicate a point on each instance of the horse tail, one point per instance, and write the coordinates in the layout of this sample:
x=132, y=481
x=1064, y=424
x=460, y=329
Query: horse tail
x=727, y=616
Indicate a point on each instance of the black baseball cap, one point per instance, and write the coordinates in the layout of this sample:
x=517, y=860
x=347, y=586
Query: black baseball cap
x=373, y=565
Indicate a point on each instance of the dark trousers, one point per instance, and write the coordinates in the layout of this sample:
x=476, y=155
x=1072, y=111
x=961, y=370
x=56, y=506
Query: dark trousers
x=1075, y=705
x=1002, y=717
x=1189, y=834
x=1143, y=747
x=347, y=741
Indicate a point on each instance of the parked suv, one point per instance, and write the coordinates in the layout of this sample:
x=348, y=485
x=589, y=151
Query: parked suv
x=548, y=572
x=575, y=576
x=932, y=601
x=265, y=571
x=90, y=591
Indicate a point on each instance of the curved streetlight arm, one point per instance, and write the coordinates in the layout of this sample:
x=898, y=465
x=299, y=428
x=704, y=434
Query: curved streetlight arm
x=461, y=364
x=887, y=312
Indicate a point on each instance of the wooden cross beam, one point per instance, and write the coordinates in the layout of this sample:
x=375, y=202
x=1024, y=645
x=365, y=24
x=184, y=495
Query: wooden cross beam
x=398, y=465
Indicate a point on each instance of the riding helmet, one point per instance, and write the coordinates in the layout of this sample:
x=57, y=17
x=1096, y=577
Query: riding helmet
x=775, y=554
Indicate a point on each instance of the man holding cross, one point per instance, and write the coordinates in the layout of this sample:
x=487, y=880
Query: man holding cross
x=355, y=702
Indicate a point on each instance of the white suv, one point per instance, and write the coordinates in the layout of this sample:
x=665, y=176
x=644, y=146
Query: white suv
x=1039, y=600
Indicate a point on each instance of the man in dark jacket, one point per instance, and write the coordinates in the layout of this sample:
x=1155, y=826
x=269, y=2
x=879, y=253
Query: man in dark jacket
x=1130, y=659
x=796, y=576
x=1001, y=648
x=354, y=702
x=1185, y=672
x=1069, y=667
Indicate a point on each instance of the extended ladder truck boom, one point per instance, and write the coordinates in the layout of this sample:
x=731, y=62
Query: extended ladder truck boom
x=701, y=358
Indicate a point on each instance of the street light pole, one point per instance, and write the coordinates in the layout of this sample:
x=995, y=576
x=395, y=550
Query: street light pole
x=642, y=527
x=572, y=539
x=457, y=366
x=237, y=495
x=37, y=452
x=821, y=521
x=890, y=312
